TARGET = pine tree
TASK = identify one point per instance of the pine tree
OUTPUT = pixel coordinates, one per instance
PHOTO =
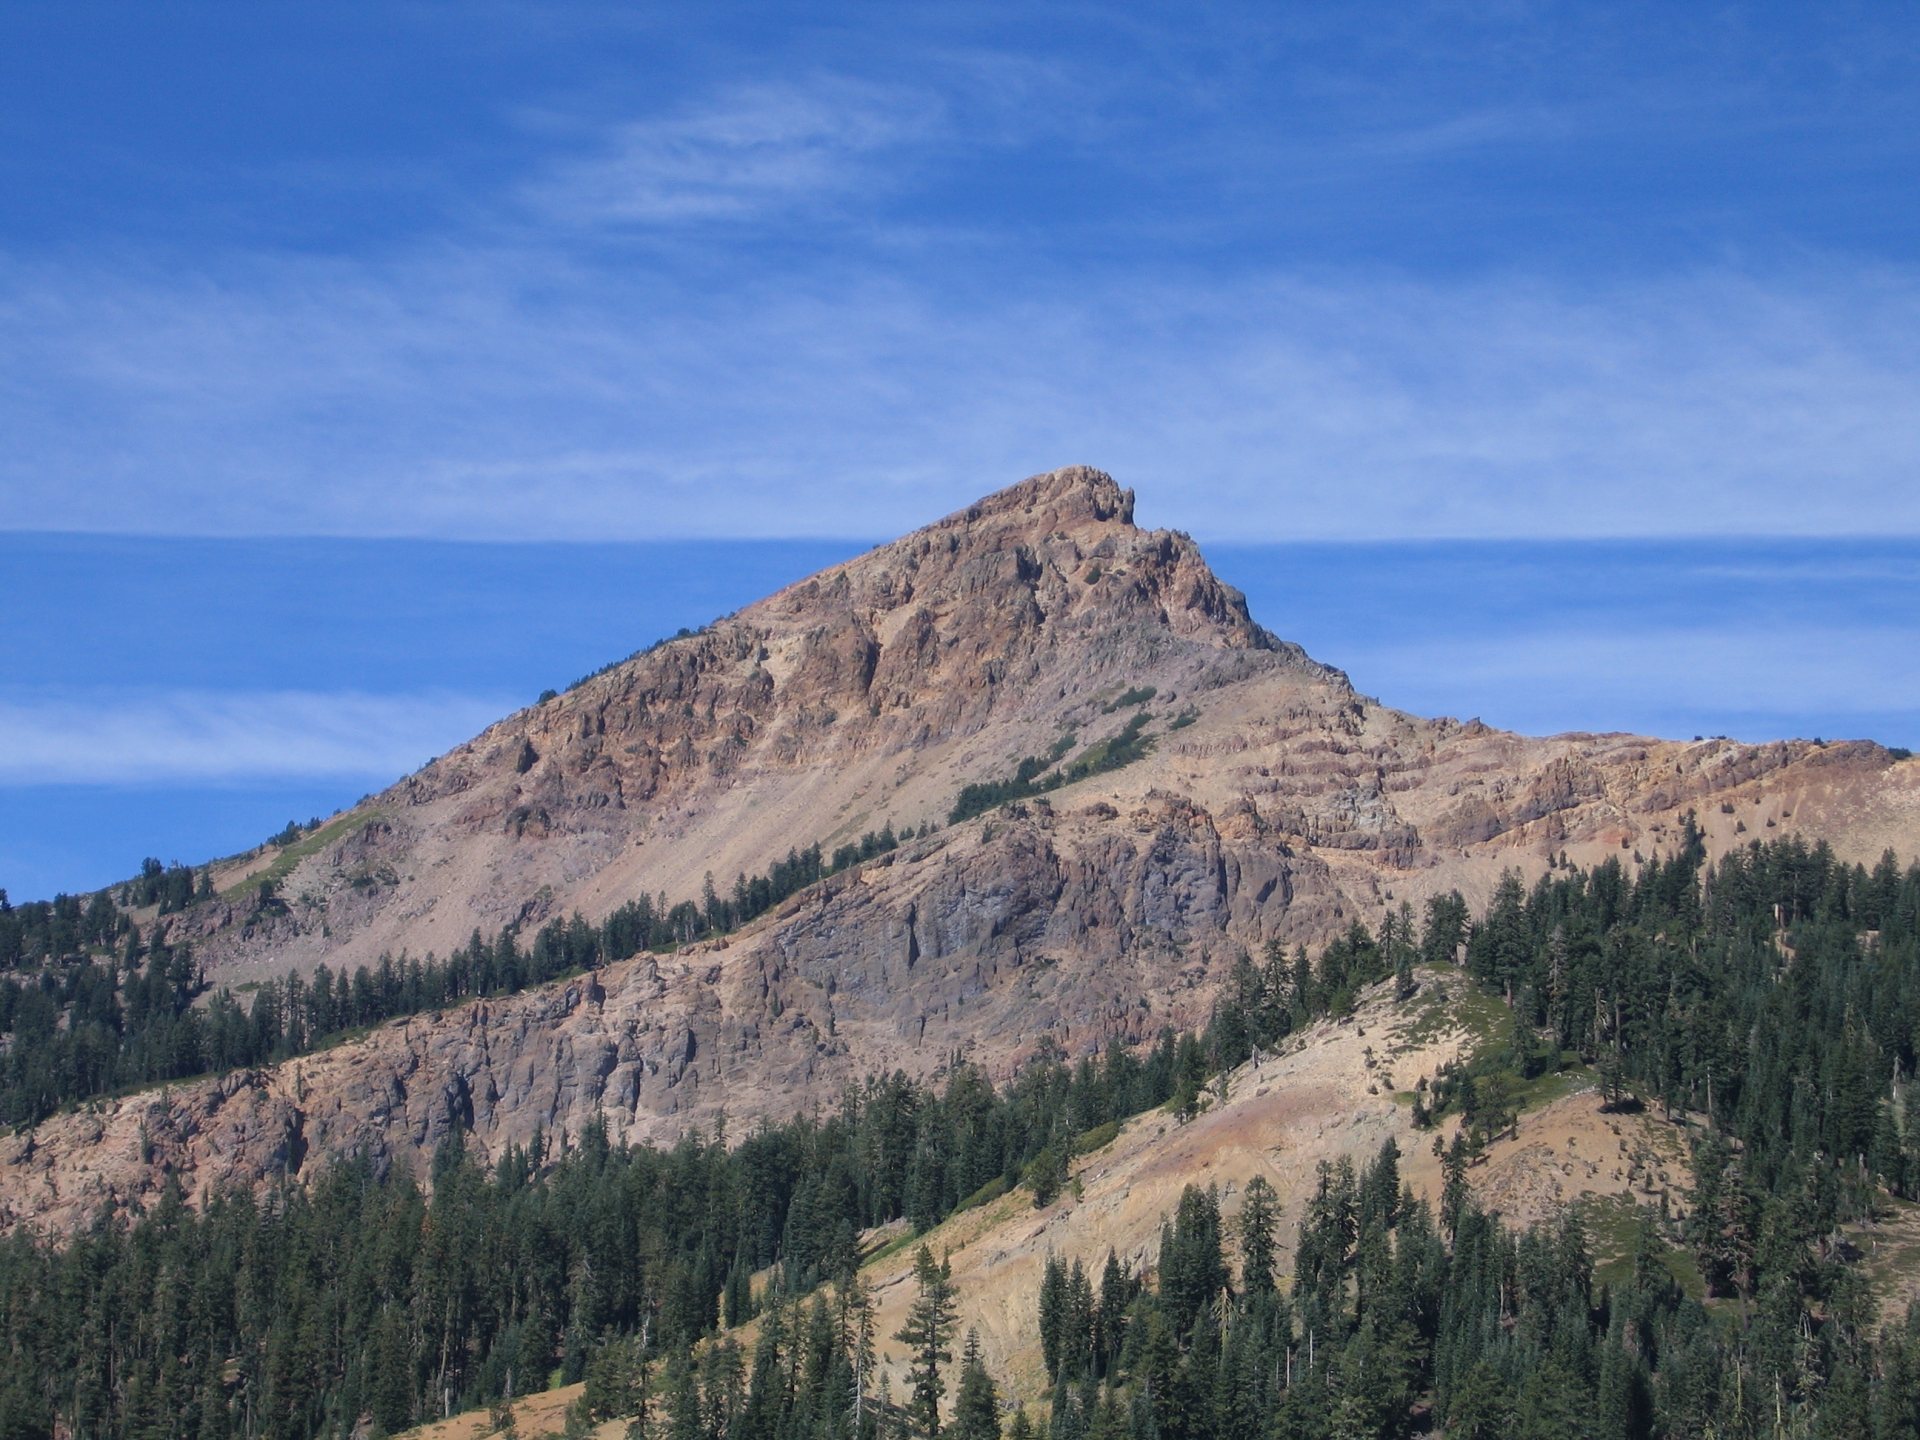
(1076, 1332)
(1050, 1174)
(722, 1377)
(1110, 1316)
(1553, 1404)
(928, 1336)
(1259, 1216)
(1192, 1269)
(1453, 1190)
(1482, 1407)
(680, 1398)
(856, 1341)
(1404, 984)
(1053, 1310)
(737, 1299)
(976, 1410)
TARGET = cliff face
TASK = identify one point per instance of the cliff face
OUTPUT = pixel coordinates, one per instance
(1275, 802)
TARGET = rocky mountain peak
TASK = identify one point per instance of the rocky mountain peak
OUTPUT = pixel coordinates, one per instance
(1059, 497)
(1057, 554)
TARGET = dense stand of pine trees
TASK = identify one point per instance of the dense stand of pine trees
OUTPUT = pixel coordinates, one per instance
(297, 1312)
(1400, 1323)
(1775, 994)
(1771, 1001)
(88, 1023)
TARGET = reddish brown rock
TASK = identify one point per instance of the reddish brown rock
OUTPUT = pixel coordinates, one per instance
(1284, 806)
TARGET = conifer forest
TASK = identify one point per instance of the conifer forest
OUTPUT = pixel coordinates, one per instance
(1769, 1004)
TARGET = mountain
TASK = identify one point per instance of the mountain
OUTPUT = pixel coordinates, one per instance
(1161, 785)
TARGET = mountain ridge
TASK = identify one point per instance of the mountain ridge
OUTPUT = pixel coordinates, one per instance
(935, 635)
(1268, 802)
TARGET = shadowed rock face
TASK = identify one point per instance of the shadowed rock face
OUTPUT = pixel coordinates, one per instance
(1281, 805)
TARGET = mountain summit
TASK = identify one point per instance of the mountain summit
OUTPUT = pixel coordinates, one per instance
(1028, 776)
(867, 695)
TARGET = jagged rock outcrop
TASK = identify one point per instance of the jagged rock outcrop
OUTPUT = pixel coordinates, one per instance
(1275, 803)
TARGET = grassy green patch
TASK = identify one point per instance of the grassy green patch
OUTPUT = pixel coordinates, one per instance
(1451, 1000)
(894, 1246)
(1555, 1085)
(1616, 1227)
(311, 844)
(985, 1195)
(344, 1037)
(1097, 1138)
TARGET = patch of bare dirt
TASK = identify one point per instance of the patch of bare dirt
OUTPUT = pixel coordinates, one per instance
(534, 1416)
(1322, 1097)
(1329, 1092)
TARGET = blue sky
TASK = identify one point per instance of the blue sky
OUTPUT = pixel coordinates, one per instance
(298, 301)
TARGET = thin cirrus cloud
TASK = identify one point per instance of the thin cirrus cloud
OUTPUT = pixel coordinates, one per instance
(408, 398)
(832, 305)
(751, 151)
(215, 737)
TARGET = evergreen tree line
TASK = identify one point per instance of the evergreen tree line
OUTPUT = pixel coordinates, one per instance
(1709, 991)
(70, 926)
(301, 1311)
(1400, 1322)
(94, 1028)
(813, 1373)
(92, 1025)
(1037, 775)
(1774, 995)
(65, 926)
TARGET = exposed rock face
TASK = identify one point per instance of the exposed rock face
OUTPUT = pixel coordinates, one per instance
(1276, 804)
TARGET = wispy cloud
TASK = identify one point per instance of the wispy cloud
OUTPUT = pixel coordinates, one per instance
(184, 737)
(428, 396)
(751, 151)
(848, 300)
(1463, 133)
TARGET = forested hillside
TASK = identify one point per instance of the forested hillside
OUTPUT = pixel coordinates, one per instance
(105, 1007)
(1769, 1002)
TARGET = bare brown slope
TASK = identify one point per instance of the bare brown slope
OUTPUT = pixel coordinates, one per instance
(1284, 807)
(1326, 1094)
